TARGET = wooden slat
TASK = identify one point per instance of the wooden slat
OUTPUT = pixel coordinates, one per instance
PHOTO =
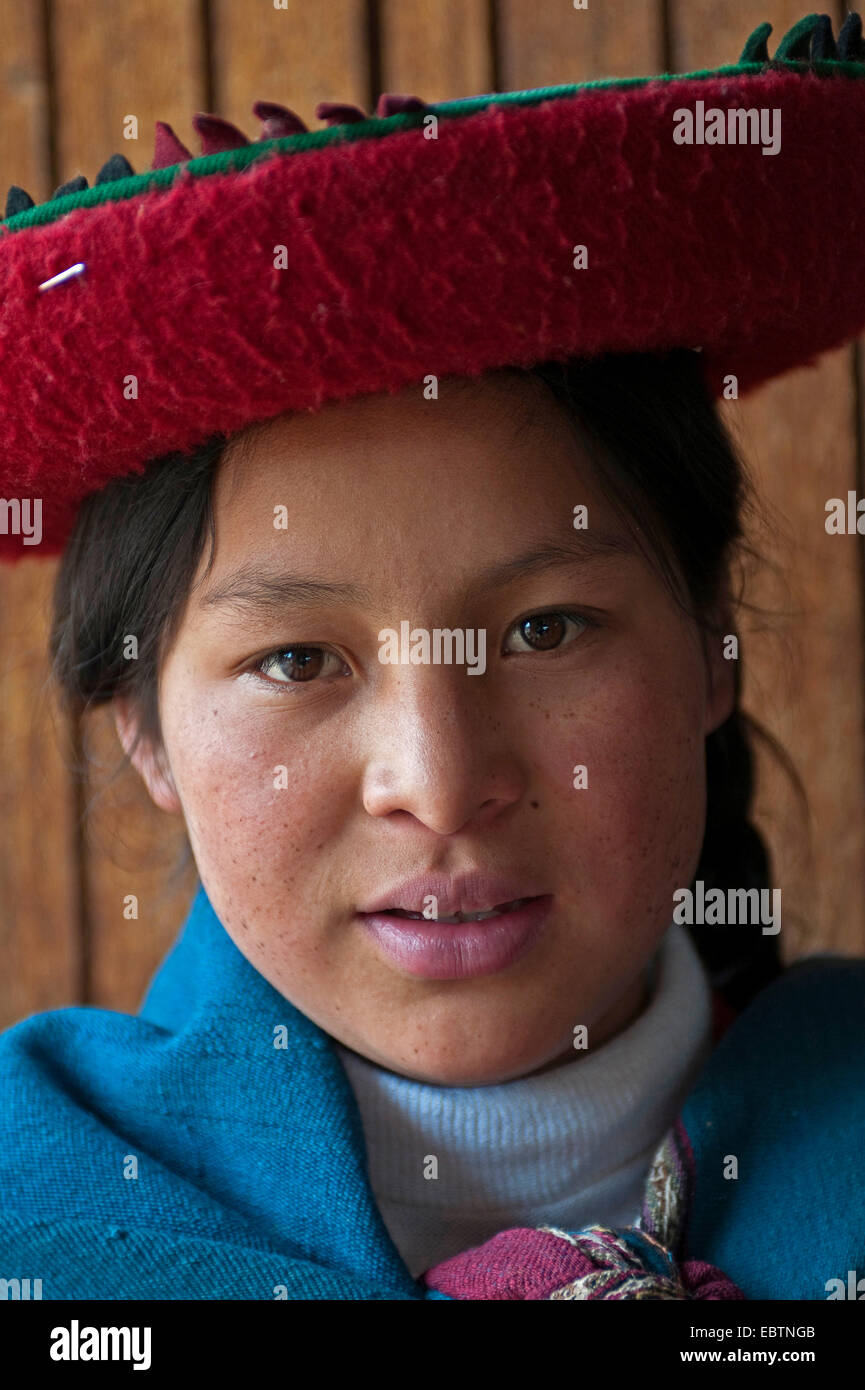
(547, 45)
(297, 56)
(437, 52)
(804, 672)
(144, 58)
(24, 130)
(39, 899)
(705, 34)
(39, 917)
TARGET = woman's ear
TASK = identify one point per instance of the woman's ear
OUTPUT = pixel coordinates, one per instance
(721, 646)
(150, 763)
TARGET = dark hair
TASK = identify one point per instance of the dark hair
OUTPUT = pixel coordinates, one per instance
(663, 457)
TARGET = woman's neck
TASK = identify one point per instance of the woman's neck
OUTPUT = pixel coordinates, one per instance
(627, 1009)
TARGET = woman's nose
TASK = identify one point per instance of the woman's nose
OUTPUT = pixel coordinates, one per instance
(441, 752)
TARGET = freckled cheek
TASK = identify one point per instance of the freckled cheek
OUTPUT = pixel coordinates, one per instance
(639, 817)
(656, 789)
(236, 778)
(630, 724)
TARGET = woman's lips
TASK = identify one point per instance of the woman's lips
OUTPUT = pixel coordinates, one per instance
(461, 950)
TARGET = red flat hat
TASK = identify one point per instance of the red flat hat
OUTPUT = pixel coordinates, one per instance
(721, 210)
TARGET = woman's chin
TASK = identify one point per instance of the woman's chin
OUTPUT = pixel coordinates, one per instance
(444, 1065)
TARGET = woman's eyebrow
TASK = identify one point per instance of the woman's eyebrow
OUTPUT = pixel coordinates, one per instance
(259, 590)
(581, 547)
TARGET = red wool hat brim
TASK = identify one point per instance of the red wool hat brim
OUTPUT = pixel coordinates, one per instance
(408, 257)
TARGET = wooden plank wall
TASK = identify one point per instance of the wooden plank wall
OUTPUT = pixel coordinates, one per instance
(71, 71)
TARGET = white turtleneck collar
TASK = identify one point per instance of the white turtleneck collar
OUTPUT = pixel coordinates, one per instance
(569, 1147)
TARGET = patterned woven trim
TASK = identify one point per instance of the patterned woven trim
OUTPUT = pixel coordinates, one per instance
(669, 1191)
(808, 47)
(630, 1265)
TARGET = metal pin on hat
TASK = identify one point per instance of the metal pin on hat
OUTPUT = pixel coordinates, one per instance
(64, 275)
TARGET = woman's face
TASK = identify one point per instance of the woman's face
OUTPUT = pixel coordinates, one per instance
(316, 778)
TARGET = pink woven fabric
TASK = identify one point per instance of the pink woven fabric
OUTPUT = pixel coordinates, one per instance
(597, 1263)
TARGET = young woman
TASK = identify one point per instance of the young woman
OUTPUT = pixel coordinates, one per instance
(480, 994)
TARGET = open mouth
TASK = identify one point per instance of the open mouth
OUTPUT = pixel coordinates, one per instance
(459, 945)
(499, 911)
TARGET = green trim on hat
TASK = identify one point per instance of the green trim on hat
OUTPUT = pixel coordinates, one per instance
(377, 127)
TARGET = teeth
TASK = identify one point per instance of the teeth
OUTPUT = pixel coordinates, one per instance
(460, 916)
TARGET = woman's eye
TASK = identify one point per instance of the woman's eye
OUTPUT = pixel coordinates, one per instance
(544, 632)
(296, 665)
(301, 665)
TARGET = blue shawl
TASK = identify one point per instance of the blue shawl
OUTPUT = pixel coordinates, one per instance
(211, 1146)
